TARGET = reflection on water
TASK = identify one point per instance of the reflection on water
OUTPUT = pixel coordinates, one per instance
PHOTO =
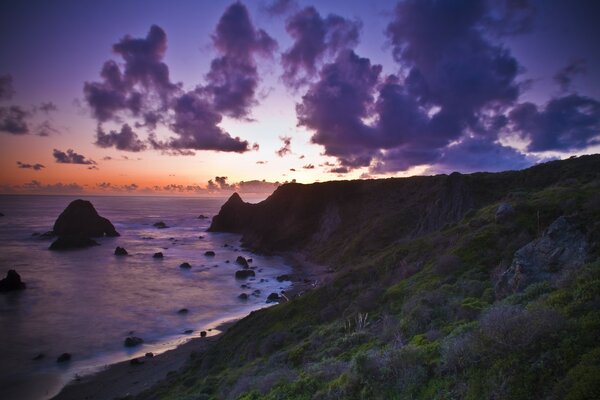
(85, 302)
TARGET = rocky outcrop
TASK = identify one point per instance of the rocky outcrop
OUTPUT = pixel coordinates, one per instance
(77, 224)
(336, 222)
(562, 247)
(504, 212)
(120, 251)
(81, 218)
(12, 282)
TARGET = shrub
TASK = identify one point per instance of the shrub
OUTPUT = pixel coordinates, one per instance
(511, 327)
(459, 352)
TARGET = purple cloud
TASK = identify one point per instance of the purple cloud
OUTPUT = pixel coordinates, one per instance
(315, 38)
(144, 74)
(566, 123)
(334, 108)
(286, 148)
(71, 157)
(196, 125)
(280, 7)
(13, 120)
(392, 123)
(35, 167)
(565, 76)
(126, 139)
(233, 77)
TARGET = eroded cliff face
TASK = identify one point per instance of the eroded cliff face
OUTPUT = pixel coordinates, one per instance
(336, 221)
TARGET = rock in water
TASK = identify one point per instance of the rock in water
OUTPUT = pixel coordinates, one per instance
(158, 255)
(77, 224)
(72, 242)
(80, 218)
(160, 225)
(132, 341)
(244, 273)
(120, 251)
(242, 261)
(11, 282)
(185, 265)
(64, 357)
(209, 253)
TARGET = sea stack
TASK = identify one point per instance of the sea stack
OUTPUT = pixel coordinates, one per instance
(11, 282)
(77, 224)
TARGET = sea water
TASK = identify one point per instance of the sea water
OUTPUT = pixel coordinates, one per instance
(86, 302)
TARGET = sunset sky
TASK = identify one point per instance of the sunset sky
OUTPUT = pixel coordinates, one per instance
(156, 97)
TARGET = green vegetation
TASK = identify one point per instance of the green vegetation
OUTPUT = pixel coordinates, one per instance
(417, 314)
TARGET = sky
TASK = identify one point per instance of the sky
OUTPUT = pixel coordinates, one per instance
(206, 97)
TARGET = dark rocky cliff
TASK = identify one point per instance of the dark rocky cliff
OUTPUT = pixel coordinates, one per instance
(336, 221)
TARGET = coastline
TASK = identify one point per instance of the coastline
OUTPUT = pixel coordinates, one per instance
(125, 379)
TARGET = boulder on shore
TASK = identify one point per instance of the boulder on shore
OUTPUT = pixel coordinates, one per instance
(11, 282)
(244, 273)
(120, 251)
(132, 341)
(242, 261)
(273, 297)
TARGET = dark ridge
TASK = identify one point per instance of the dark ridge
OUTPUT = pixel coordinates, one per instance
(369, 214)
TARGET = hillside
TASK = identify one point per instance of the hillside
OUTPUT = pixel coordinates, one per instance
(447, 287)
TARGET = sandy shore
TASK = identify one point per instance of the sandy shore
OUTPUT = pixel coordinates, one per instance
(123, 379)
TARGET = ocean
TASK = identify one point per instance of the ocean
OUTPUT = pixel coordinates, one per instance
(86, 302)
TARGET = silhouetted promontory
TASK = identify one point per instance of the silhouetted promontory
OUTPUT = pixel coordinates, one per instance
(77, 224)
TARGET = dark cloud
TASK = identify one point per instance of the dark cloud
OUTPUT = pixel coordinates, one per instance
(566, 123)
(142, 90)
(455, 87)
(308, 166)
(479, 154)
(286, 148)
(280, 7)
(233, 76)
(293, 169)
(142, 87)
(6, 87)
(261, 162)
(107, 186)
(126, 139)
(334, 108)
(315, 38)
(47, 107)
(339, 170)
(71, 157)
(196, 125)
(565, 76)
(35, 167)
(13, 120)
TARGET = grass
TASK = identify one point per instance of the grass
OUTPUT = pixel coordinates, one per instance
(413, 313)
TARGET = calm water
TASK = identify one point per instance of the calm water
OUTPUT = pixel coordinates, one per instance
(85, 302)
